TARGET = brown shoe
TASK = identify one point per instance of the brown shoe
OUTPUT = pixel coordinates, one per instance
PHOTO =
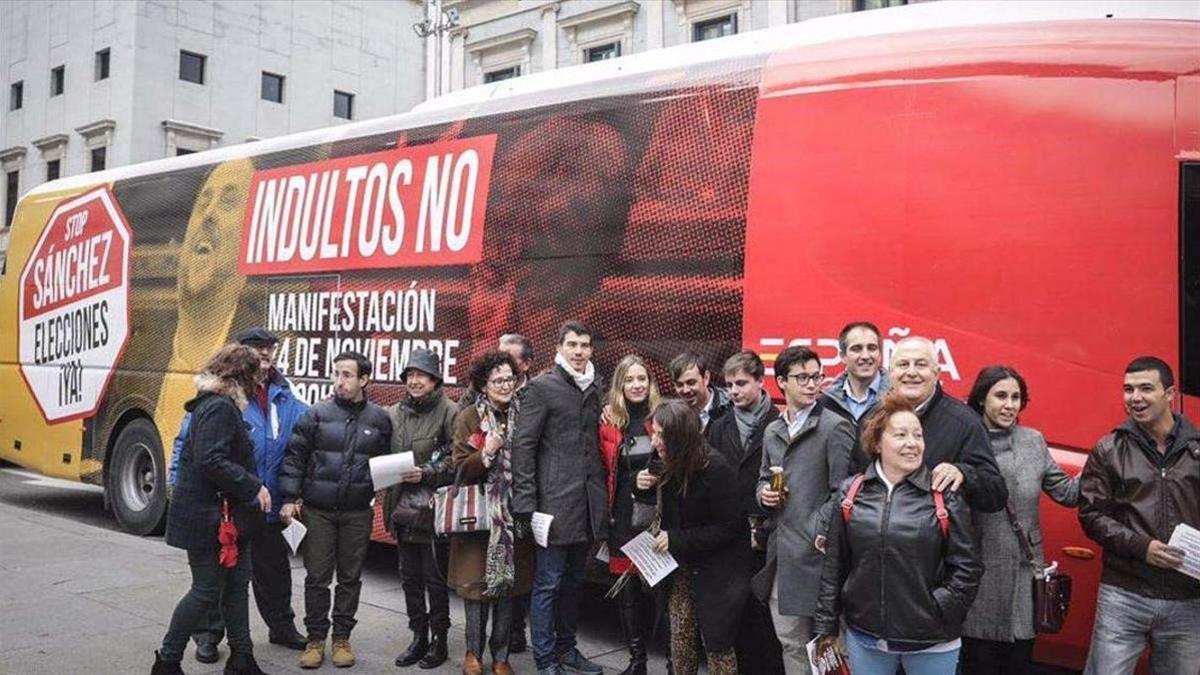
(501, 668)
(343, 656)
(314, 655)
(472, 665)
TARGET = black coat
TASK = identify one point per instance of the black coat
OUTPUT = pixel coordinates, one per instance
(890, 571)
(556, 462)
(217, 460)
(954, 433)
(706, 530)
(328, 458)
(724, 437)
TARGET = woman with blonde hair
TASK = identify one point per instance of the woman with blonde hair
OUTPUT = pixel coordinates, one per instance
(216, 469)
(625, 447)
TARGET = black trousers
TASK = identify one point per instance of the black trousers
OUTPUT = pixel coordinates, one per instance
(271, 580)
(757, 648)
(988, 657)
(423, 571)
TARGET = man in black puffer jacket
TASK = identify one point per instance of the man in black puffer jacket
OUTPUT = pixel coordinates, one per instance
(326, 481)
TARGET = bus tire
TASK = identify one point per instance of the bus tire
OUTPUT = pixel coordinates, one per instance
(136, 479)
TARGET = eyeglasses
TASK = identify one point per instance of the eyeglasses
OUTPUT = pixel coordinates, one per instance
(805, 378)
(502, 382)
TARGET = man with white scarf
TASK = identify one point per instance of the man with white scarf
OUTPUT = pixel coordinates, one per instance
(557, 471)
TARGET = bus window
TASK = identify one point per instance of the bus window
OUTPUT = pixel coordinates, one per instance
(1189, 278)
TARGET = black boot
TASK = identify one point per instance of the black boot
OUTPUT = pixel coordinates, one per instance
(242, 664)
(632, 624)
(163, 668)
(416, 649)
(436, 655)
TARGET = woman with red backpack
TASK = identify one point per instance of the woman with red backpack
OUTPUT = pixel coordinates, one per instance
(901, 566)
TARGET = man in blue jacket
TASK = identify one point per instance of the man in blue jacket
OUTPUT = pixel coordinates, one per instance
(270, 417)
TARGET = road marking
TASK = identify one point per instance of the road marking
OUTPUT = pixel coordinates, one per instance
(38, 480)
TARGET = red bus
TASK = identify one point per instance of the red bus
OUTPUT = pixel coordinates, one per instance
(1019, 182)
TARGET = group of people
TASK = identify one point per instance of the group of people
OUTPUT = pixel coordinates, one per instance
(875, 512)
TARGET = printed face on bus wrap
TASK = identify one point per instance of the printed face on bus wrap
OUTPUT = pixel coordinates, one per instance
(347, 385)
(692, 387)
(514, 350)
(744, 389)
(636, 386)
(862, 356)
(1146, 399)
(577, 350)
(801, 384)
(211, 245)
(902, 446)
(1002, 404)
(914, 370)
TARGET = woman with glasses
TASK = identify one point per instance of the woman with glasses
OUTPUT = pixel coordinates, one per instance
(998, 635)
(625, 446)
(702, 525)
(488, 568)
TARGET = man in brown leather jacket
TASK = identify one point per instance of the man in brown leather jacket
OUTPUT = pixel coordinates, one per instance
(1140, 482)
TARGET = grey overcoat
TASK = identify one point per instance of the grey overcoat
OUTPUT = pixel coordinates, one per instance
(1003, 609)
(815, 462)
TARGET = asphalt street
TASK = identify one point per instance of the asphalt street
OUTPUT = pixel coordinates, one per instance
(77, 595)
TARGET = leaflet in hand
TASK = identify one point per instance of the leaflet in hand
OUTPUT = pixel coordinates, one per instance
(830, 663)
(1187, 538)
(294, 533)
(386, 470)
(651, 564)
(540, 524)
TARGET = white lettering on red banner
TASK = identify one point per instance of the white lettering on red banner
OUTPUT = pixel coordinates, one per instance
(413, 206)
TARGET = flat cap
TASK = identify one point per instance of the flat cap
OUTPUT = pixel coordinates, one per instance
(255, 336)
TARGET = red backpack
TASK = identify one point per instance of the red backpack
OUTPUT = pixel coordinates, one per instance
(943, 516)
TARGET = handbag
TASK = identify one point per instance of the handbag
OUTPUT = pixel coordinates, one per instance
(413, 508)
(1051, 588)
(227, 536)
(460, 508)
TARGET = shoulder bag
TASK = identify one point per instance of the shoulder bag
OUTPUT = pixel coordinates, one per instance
(1051, 588)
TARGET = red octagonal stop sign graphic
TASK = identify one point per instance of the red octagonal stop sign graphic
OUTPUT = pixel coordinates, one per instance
(74, 306)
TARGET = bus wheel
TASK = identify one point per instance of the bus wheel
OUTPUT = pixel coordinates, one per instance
(136, 480)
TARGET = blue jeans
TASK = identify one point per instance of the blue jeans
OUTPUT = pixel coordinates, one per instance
(554, 602)
(1126, 622)
(867, 659)
(213, 586)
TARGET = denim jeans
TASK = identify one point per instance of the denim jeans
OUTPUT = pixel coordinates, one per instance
(477, 634)
(1126, 622)
(212, 586)
(554, 602)
(867, 659)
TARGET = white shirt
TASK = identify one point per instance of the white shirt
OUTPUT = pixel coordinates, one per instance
(797, 419)
(704, 414)
(883, 477)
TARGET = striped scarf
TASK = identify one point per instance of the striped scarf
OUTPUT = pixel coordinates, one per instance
(499, 575)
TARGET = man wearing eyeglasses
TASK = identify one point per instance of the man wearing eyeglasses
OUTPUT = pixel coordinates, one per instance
(738, 435)
(811, 446)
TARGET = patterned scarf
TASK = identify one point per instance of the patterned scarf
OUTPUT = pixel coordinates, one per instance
(499, 575)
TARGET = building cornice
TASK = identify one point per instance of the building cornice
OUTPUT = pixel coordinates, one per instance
(51, 142)
(192, 129)
(520, 38)
(619, 10)
(13, 154)
(97, 128)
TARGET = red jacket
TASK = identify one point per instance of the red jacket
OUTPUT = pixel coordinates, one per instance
(610, 447)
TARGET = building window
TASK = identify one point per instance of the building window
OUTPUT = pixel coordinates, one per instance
(343, 105)
(502, 74)
(16, 95)
(53, 169)
(862, 5)
(602, 52)
(272, 87)
(721, 26)
(99, 158)
(180, 152)
(191, 66)
(58, 80)
(13, 182)
(102, 58)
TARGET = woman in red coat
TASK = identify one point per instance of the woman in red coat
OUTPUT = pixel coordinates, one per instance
(625, 446)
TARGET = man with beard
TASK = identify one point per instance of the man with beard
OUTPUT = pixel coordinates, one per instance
(738, 435)
(423, 424)
(854, 392)
(557, 470)
(326, 482)
(957, 450)
(693, 384)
